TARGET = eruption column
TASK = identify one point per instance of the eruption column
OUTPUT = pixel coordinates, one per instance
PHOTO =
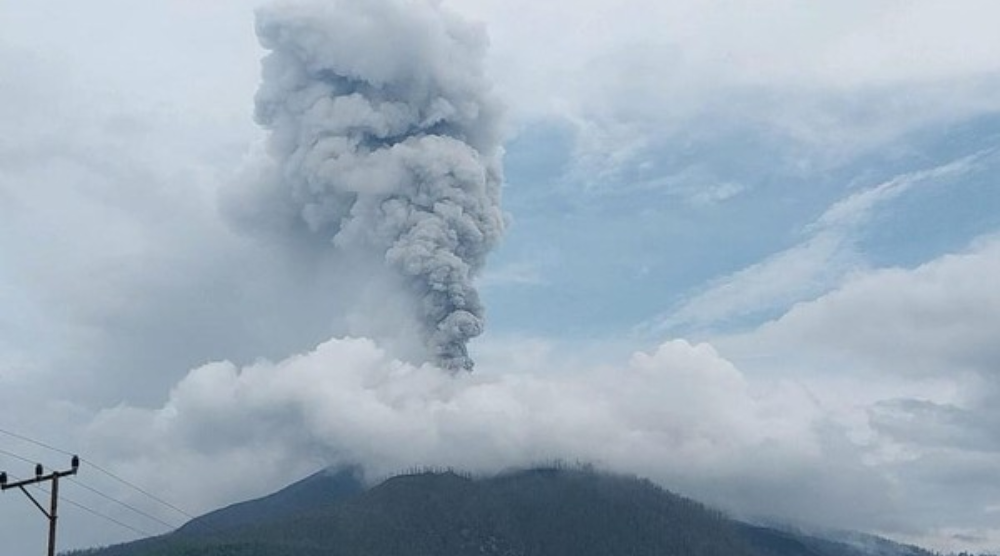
(383, 135)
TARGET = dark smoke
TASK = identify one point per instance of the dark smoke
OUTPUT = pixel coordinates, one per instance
(383, 135)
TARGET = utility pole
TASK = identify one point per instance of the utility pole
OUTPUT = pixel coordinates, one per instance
(41, 477)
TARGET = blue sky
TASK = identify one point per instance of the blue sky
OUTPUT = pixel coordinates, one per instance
(588, 263)
(752, 253)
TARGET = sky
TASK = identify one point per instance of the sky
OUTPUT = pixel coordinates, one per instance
(750, 252)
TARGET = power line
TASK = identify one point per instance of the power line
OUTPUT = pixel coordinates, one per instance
(137, 488)
(97, 492)
(124, 504)
(51, 514)
(15, 456)
(101, 469)
(94, 512)
(98, 468)
(35, 442)
(108, 518)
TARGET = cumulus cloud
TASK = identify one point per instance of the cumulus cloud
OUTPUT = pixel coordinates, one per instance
(936, 319)
(680, 414)
(907, 359)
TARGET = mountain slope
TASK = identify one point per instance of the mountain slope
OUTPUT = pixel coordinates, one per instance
(541, 512)
(319, 489)
(549, 513)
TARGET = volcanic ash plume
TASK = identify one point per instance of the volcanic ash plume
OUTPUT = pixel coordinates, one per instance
(384, 136)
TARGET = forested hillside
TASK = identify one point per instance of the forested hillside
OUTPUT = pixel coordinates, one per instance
(541, 512)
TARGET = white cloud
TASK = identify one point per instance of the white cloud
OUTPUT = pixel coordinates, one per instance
(938, 319)
(836, 80)
(906, 359)
(716, 193)
(819, 263)
(857, 209)
(680, 414)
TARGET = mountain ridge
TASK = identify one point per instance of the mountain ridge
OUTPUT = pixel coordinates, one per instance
(533, 512)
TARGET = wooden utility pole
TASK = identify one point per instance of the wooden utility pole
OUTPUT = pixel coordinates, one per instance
(41, 477)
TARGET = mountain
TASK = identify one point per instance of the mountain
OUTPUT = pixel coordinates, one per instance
(319, 489)
(539, 512)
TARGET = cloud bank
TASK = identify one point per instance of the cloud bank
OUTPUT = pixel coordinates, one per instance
(906, 358)
(680, 414)
(889, 459)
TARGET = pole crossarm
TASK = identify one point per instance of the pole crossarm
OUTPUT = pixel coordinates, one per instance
(39, 479)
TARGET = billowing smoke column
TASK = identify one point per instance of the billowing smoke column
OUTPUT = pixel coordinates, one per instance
(384, 136)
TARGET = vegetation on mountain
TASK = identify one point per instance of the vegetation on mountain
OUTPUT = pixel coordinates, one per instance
(539, 512)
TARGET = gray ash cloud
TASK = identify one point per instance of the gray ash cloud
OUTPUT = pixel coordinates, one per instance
(384, 137)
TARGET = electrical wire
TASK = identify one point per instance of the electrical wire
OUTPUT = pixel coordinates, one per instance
(98, 468)
(136, 530)
(125, 482)
(123, 504)
(15, 456)
(91, 511)
(138, 489)
(35, 442)
(106, 517)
